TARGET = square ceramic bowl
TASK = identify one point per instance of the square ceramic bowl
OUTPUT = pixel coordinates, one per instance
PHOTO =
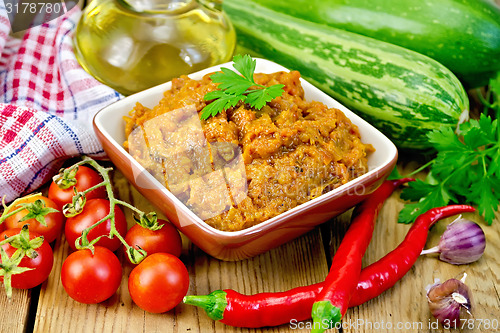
(237, 245)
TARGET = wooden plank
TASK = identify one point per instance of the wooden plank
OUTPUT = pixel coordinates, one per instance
(15, 311)
(294, 264)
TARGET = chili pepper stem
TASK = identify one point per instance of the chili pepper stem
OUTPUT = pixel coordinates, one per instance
(324, 315)
(213, 303)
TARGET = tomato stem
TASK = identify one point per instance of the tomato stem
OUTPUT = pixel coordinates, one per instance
(7, 240)
(10, 266)
(129, 206)
(66, 178)
(82, 242)
(6, 212)
(90, 189)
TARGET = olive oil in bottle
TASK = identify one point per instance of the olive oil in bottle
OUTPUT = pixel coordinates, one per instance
(132, 45)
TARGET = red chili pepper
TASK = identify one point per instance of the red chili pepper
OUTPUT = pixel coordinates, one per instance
(273, 309)
(383, 274)
(332, 302)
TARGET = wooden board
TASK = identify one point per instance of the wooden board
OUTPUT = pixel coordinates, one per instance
(303, 261)
(15, 311)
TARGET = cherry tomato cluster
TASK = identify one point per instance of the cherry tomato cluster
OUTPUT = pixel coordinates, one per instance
(92, 273)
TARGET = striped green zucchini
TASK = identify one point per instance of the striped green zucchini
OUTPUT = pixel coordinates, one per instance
(463, 35)
(401, 92)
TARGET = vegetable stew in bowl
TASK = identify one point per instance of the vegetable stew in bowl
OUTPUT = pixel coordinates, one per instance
(244, 166)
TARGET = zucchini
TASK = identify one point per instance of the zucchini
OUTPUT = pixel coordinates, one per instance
(463, 35)
(403, 93)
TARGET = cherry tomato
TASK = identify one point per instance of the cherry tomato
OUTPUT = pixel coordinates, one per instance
(93, 212)
(42, 264)
(85, 179)
(158, 283)
(54, 221)
(166, 240)
(91, 278)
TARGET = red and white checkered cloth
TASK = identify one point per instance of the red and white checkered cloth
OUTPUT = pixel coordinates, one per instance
(47, 102)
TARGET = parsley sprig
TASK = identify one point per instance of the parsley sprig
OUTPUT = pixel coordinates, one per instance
(235, 88)
(466, 167)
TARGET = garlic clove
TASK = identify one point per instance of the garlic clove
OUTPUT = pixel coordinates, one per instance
(449, 302)
(463, 242)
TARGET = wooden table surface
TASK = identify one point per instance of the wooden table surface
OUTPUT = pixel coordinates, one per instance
(303, 261)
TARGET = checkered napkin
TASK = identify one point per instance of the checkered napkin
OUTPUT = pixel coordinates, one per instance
(47, 102)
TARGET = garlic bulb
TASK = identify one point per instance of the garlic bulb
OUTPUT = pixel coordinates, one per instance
(450, 301)
(462, 242)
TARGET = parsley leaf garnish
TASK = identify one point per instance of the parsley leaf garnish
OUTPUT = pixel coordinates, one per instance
(223, 101)
(234, 88)
(465, 169)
